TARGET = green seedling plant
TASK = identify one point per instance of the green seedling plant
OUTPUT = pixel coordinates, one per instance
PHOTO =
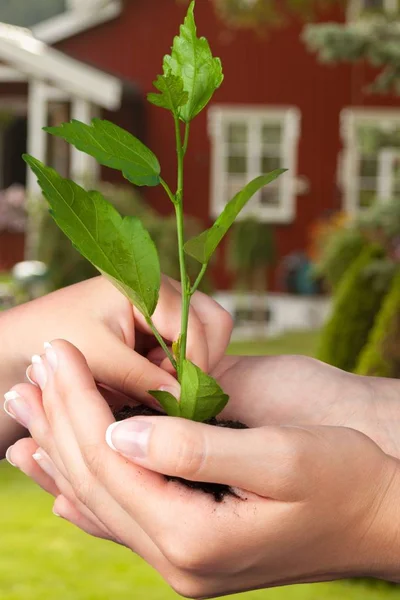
(120, 247)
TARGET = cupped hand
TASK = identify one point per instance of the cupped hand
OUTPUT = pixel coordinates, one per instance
(118, 344)
(314, 503)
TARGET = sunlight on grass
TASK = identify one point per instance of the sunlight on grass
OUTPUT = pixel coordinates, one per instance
(45, 558)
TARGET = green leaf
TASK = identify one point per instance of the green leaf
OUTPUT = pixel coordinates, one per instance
(168, 402)
(191, 60)
(172, 95)
(204, 245)
(201, 396)
(112, 147)
(119, 247)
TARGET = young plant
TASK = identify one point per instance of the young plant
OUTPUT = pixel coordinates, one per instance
(120, 248)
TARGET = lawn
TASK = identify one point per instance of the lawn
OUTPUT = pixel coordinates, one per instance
(44, 558)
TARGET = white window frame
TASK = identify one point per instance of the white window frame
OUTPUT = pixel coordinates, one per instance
(289, 117)
(356, 9)
(349, 178)
(79, 16)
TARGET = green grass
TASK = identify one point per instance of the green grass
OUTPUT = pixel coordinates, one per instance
(45, 558)
(295, 342)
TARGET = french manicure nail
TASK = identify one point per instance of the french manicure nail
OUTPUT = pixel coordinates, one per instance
(39, 371)
(51, 356)
(28, 374)
(17, 408)
(8, 459)
(55, 513)
(45, 463)
(130, 438)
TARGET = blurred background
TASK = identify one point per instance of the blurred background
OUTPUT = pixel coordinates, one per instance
(312, 267)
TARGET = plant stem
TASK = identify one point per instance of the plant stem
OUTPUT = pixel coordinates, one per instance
(168, 190)
(181, 240)
(162, 343)
(186, 141)
(199, 278)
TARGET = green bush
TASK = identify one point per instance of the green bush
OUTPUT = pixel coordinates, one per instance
(342, 248)
(356, 304)
(381, 355)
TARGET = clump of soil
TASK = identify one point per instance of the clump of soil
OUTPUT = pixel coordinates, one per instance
(218, 490)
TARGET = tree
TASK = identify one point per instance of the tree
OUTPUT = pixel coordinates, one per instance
(375, 38)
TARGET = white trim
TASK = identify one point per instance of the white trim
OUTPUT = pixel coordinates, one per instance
(83, 168)
(289, 117)
(9, 75)
(349, 180)
(25, 54)
(73, 22)
(36, 143)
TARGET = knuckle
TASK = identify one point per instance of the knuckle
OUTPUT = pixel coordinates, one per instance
(82, 486)
(134, 378)
(186, 455)
(93, 458)
(187, 587)
(187, 557)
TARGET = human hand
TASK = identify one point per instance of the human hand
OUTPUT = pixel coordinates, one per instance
(315, 503)
(115, 338)
(302, 391)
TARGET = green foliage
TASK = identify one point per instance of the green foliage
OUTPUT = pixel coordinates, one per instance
(204, 398)
(339, 252)
(376, 40)
(120, 248)
(381, 355)
(203, 246)
(172, 95)
(192, 62)
(112, 147)
(356, 305)
(251, 246)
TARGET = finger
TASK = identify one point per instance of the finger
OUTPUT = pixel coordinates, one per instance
(167, 319)
(217, 323)
(132, 374)
(21, 455)
(65, 509)
(264, 461)
(80, 437)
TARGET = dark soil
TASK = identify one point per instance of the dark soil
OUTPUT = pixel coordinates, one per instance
(219, 491)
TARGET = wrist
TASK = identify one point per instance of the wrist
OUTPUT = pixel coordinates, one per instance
(382, 535)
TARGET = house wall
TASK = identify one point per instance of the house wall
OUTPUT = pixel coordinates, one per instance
(275, 69)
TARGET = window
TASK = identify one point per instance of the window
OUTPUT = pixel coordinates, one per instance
(27, 14)
(250, 141)
(368, 8)
(371, 157)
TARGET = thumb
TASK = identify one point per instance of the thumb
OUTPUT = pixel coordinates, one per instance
(268, 461)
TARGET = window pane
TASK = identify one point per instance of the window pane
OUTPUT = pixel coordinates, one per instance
(27, 13)
(368, 166)
(237, 164)
(367, 198)
(237, 133)
(270, 195)
(270, 163)
(271, 133)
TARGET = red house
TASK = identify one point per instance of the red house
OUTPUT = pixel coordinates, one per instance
(277, 107)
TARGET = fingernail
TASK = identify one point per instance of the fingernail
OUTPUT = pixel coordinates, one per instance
(39, 371)
(55, 513)
(28, 374)
(45, 463)
(51, 356)
(174, 391)
(17, 408)
(8, 459)
(131, 438)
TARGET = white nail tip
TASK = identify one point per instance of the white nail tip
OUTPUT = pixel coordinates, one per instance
(36, 359)
(12, 395)
(47, 346)
(37, 456)
(29, 378)
(8, 459)
(109, 434)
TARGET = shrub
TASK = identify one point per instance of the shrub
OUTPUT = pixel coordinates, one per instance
(357, 302)
(381, 355)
